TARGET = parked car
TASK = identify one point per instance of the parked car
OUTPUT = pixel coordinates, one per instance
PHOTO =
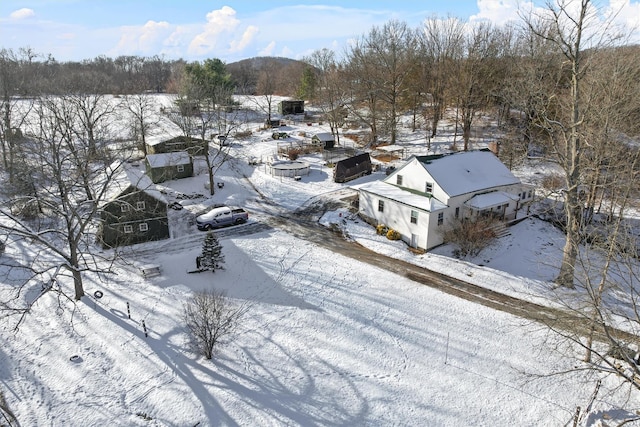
(221, 217)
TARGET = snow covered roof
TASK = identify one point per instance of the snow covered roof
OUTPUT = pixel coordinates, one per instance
(467, 172)
(490, 200)
(168, 159)
(163, 132)
(123, 177)
(324, 136)
(393, 192)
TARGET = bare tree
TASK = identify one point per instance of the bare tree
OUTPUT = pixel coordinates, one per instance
(477, 74)
(211, 318)
(206, 109)
(391, 49)
(441, 41)
(14, 71)
(266, 87)
(144, 116)
(93, 112)
(69, 185)
(613, 81)
(569, 27)
(331, 95)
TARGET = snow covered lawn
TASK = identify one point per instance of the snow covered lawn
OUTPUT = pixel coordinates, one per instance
(326, 340)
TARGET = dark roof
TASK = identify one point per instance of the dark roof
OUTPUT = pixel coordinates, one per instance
(354, 161)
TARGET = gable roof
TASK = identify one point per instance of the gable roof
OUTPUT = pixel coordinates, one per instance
(168, 159)
(125, 177)
(468, 171)
(323, 136)
(393, 192)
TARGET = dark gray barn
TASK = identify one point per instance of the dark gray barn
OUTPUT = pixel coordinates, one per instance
(352, 168)
(291, 107)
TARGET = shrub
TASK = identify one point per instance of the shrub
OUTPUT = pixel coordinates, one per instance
(469, 236)
(243, 134)
(382, 229)
(293, 153)
(393, 235)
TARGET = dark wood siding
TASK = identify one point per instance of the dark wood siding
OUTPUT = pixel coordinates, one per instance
(115, 221)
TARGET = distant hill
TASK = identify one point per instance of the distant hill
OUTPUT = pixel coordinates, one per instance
(284, 73)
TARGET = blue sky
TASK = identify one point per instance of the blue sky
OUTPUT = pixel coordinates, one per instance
(232, 30)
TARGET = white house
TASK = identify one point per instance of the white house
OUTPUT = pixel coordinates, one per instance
(428, 193)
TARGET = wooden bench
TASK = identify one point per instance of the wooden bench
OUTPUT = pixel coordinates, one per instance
(150, 270)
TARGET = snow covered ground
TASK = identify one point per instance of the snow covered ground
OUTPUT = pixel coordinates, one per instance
(326, 340)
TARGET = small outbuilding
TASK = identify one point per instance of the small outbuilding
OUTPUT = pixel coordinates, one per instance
(167, 166)
(287, 107)
(324, 140)
(352, 168)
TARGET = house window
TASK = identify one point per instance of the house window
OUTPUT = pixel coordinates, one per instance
(440, 218)
(180, 168)
(414, 217)
(143, 226)
(530, 194)
(523, 195)
(428, 188)
(457, 212)
(128, 229)
(140, 205)
(124, 207)
(399, 180)
(380, 205)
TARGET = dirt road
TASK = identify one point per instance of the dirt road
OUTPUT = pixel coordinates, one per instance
(304, 225)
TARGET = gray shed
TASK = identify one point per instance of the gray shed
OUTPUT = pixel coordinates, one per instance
(287, 107)
(324, 139)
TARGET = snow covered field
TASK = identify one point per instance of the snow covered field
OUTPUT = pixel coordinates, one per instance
(326, 341)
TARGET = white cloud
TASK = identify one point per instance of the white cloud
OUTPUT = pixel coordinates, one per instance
(627, 13)
(268, 49)
(499, 11)
(247, 37)
(143, 40)
(218, 22)
(23, 13)
(286, 52)
(152, 33)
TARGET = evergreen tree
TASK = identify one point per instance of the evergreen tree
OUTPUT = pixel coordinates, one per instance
(212, 257)
(308, 82)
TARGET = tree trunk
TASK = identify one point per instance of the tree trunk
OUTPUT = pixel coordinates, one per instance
(77, 285)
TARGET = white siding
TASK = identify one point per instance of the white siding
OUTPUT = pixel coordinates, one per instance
(397, 216)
